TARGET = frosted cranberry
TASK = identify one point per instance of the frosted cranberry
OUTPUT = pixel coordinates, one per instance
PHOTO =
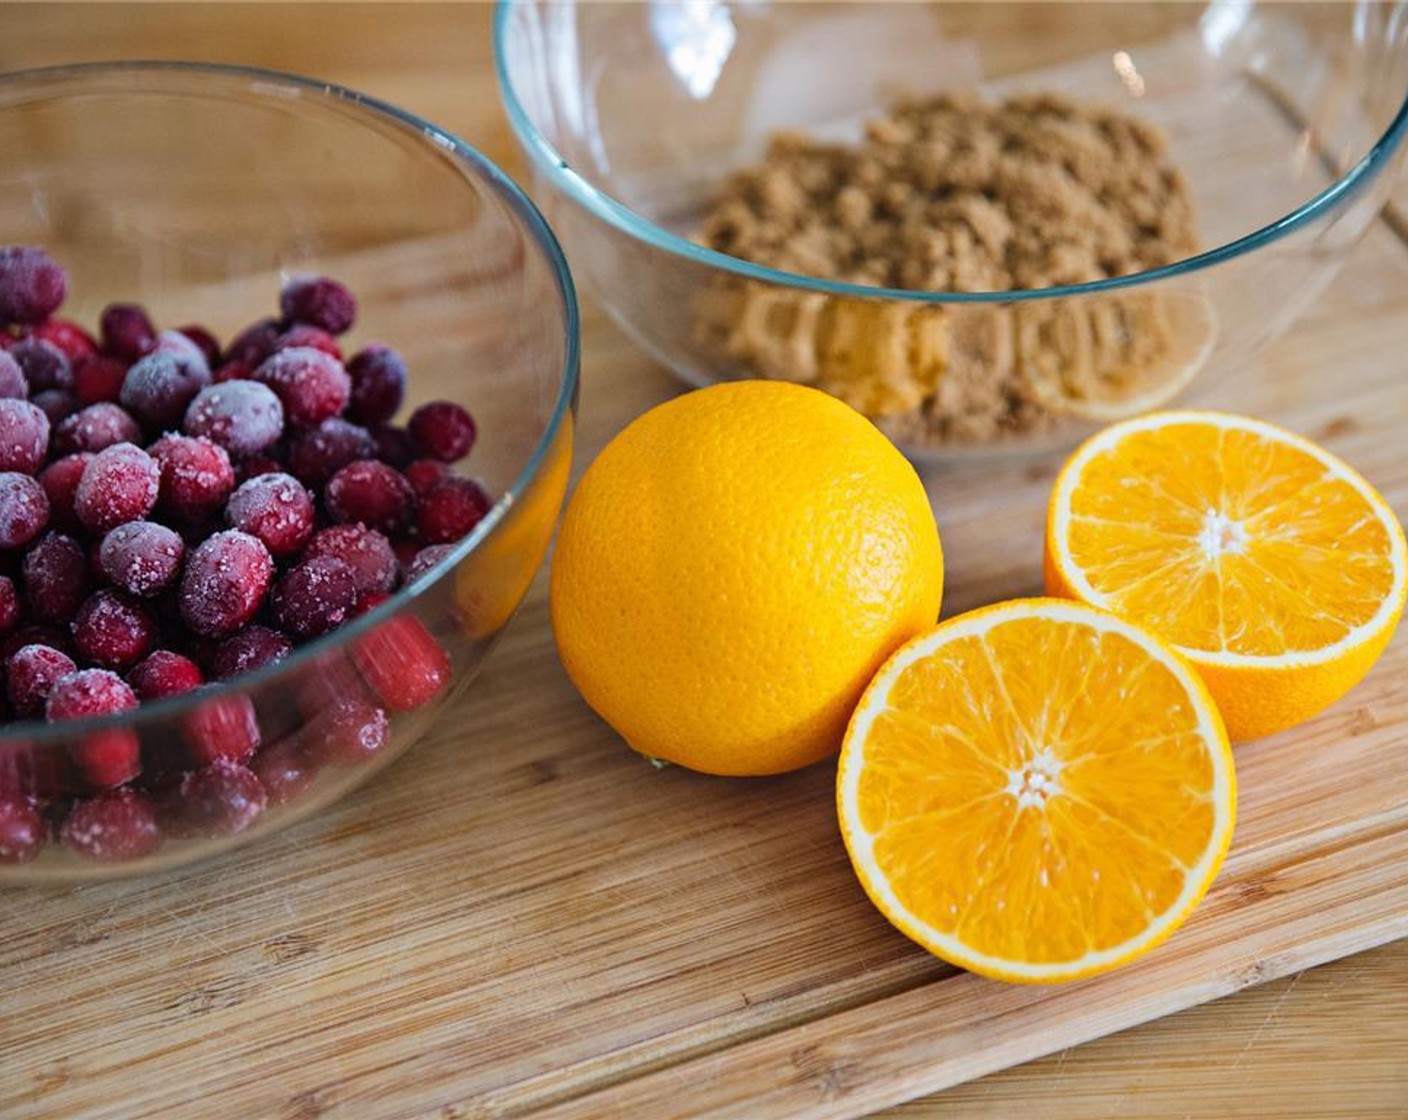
(76, 343)
(177, 345)
(127, 331)
(348, 732)
(32, 285)
(423, 474)
(314, 597)
(119, 484)
(99, 379)
(22, 831)
(243, 417)
(206, 342)
(9, 605)
(221, 799)
(196, 476)
(12, 383)
(24, 509)
(56, 579)
(60, 481)
(232, 371)
(319, 301)
(24, 436)
(394, 446)
(30, 675)
(56, 404)
(316, 454)
(94, 428)
(442, 430)
(43, 364)
(141, 557)
(252, 648)
(223, 727)
(451, 509)
(113, 630)
(113, 827)
(225, 582)
(284, 771)
(402, 662)
(368, 553)
(426, 559)
(35, 633)
(275, 508)
(378, 376)
(372, 493)
(159, 388)
(311, 385)
(301, 334)
(104, 758)
(163, 673)
(253, 344)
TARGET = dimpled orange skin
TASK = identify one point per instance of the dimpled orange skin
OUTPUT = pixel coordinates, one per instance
(733, 568)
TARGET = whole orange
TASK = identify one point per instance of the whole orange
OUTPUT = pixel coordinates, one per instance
(732, 570)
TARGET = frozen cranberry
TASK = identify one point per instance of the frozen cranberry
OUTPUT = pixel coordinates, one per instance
(348, 732)
(113, 827)
(44, 365)
(372, 493)
(232, 371)
(333, 676)
(394, 446)
(253, 344)
(378, 376)
(160, 386)
(316, 454)
(225, 582)
(314, 597)
(402, 662)
(301, 334)
(56, 579)
(275, 508)
(30, 675)
(104, 758)
(141, 557)
(56, 404)
(319, 301)
(99, 379)
(32, 285)
(451, 509)
(243, 417)
(426, 559)
(177, 345)
(35, 633)
(368, 553)
(9, 605)
(311, 385)
(250, 649)
(119, 484)
(222, 727)
(196, 476)
(22, 831)
(206, 342)
(219, 800)
(162, 673)
(284, 771)
(76, 343)
(24, 436)
(94, 428)
(60, 481)
(113, 630)
(423, 474)
(12, 383)
(127, 331)
(442, 430)
(24, 509)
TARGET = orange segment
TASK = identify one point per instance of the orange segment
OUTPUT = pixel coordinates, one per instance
(1036, 791)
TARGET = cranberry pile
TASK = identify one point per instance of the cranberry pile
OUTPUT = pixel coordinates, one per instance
(174, 512)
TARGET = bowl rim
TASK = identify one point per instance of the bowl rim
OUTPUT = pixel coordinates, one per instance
(610, 210)
(481, 170)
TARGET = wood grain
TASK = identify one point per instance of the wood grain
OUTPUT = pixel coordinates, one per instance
(522, 918)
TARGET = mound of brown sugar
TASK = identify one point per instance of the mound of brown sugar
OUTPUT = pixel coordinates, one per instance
(951, 193)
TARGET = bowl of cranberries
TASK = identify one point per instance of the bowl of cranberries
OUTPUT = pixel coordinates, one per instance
(287, 384)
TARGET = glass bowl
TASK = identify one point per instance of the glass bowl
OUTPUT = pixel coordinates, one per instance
(194, 190)
(1286, 120)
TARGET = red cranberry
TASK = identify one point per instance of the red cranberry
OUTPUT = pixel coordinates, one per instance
(44, 365)
(56, 579)
(24, 509)
(284, 771)
(253, 344)
(316, 454)
(163, 673)
(98, 379)
(225, 582)
(233, 370)
(60, 481)
(32, 285)
(127, 331)
(206, 342)
(196, 476)
(76, 343)
(442, 430)
(348, 732)
(223, 727)
(184, 350)
(13, 386)
(94, 428)
(30, 675)
(35, 633)
(219, 800)
(372, 493)
(9, 605)
(394, 446)
(314, 597)
(276, 509)
(378, 376)
(311, 385)
(332, 677)
(113, 827)
(105, 758)
(120, 483)
(113, 630)
(24, 436)
(368, 553)
(141, 557)
(402, 662)
(243, 417)
(301, 334)
(22, 831)
(426, 559)
(160, 386)
(423, 474)
(451, 509)
(56, 404)
(250, 649)
(319, 301)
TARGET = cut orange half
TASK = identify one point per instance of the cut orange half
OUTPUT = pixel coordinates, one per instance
(1036, 791)
(1269, 563)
